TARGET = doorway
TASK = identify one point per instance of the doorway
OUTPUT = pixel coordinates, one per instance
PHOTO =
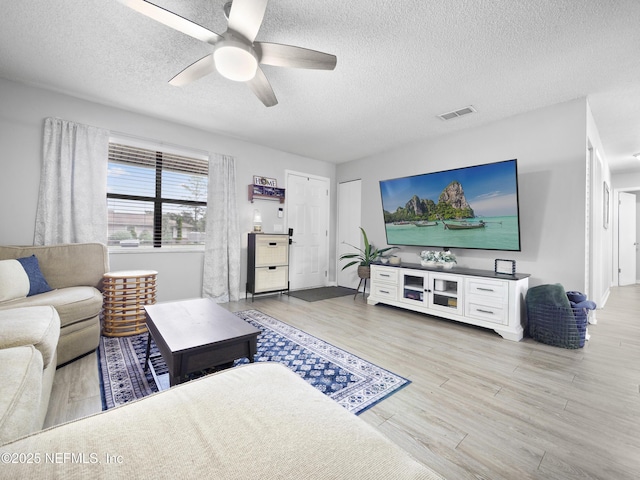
(307, 206)
(627, 243)
(349, 219)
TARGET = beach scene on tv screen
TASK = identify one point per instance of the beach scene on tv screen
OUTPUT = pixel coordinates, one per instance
(472, 207)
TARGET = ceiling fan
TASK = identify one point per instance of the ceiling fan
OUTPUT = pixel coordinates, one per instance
(236, 55)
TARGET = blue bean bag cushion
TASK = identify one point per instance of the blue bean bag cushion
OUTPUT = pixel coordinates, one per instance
(581, 307)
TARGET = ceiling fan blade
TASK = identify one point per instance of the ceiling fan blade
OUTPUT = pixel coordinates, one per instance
(172, 20)
(195, 71)
(262, 89)
(246, 17)
(280, 55)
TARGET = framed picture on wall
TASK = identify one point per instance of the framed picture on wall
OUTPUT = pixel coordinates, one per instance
(605, 205)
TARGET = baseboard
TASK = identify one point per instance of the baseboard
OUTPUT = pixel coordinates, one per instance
(605, 297)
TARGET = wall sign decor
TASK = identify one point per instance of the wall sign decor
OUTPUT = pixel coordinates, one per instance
(265, 192)
(268, 182)
(505, 267)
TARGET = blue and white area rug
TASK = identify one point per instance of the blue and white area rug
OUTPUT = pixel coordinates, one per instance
(351, 381)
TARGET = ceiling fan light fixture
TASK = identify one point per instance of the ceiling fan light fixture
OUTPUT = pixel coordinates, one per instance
(235, 60)
(235, 56)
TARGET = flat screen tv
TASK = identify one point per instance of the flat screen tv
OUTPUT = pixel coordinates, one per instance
(473, 207)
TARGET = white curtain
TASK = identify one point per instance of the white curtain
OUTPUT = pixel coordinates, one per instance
(72, 202)
(221, 275)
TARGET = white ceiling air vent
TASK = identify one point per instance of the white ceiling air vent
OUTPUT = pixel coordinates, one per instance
(457, 113)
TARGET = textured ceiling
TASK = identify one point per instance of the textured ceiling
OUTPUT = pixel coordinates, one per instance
(400, 63)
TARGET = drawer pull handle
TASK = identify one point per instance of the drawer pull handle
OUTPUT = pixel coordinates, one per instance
(272, 244)
(486, 289)
(385, 291)
(272, 268)
(486, 311)
(385, 275)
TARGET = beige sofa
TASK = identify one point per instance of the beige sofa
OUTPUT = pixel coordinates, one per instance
(259, 421)
(74, 272)
(27, 366)
(39, 331)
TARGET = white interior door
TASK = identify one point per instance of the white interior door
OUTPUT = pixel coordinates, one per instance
(349, 215)
(308, 201)
(627, 239)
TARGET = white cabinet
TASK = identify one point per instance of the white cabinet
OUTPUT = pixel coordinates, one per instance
(433, 290)
(477, 297)
(445, 293)
(385, 283)
(413, 287)
(487, 300)
(267, 263)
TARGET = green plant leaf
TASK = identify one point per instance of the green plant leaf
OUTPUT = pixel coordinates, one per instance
(350, 264)
(365, 256)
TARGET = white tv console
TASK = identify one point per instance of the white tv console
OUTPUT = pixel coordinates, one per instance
(477, 297)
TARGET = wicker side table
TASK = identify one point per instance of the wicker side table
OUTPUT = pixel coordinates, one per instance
(125, 295)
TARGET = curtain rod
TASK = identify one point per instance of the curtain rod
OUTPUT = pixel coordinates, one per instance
(184, 149)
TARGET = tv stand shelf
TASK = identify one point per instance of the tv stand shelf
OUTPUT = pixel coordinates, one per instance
(477, 297)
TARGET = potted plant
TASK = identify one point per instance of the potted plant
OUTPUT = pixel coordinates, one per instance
(428, 258)
(432, 258)
(364, 257)
(447, 259)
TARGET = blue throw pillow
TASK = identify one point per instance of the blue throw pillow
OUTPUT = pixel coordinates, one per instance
(37, 282)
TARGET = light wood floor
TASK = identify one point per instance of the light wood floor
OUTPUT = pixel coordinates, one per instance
(478, 407)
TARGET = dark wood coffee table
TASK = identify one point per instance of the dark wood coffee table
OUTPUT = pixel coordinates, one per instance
(193, 335)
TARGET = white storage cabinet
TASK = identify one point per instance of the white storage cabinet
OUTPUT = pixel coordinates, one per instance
(477, 297)
(267, 263)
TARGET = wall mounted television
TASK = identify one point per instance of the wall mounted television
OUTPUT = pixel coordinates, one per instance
(473, 207)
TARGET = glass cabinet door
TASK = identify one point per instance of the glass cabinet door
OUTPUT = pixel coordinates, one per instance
(433, 290)
(413, 288)
(445, 293)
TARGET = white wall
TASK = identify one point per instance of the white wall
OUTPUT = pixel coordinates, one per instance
(22, 113)
(550, 145)
(600, 239)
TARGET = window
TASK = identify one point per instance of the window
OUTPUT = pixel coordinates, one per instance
(155, 198)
